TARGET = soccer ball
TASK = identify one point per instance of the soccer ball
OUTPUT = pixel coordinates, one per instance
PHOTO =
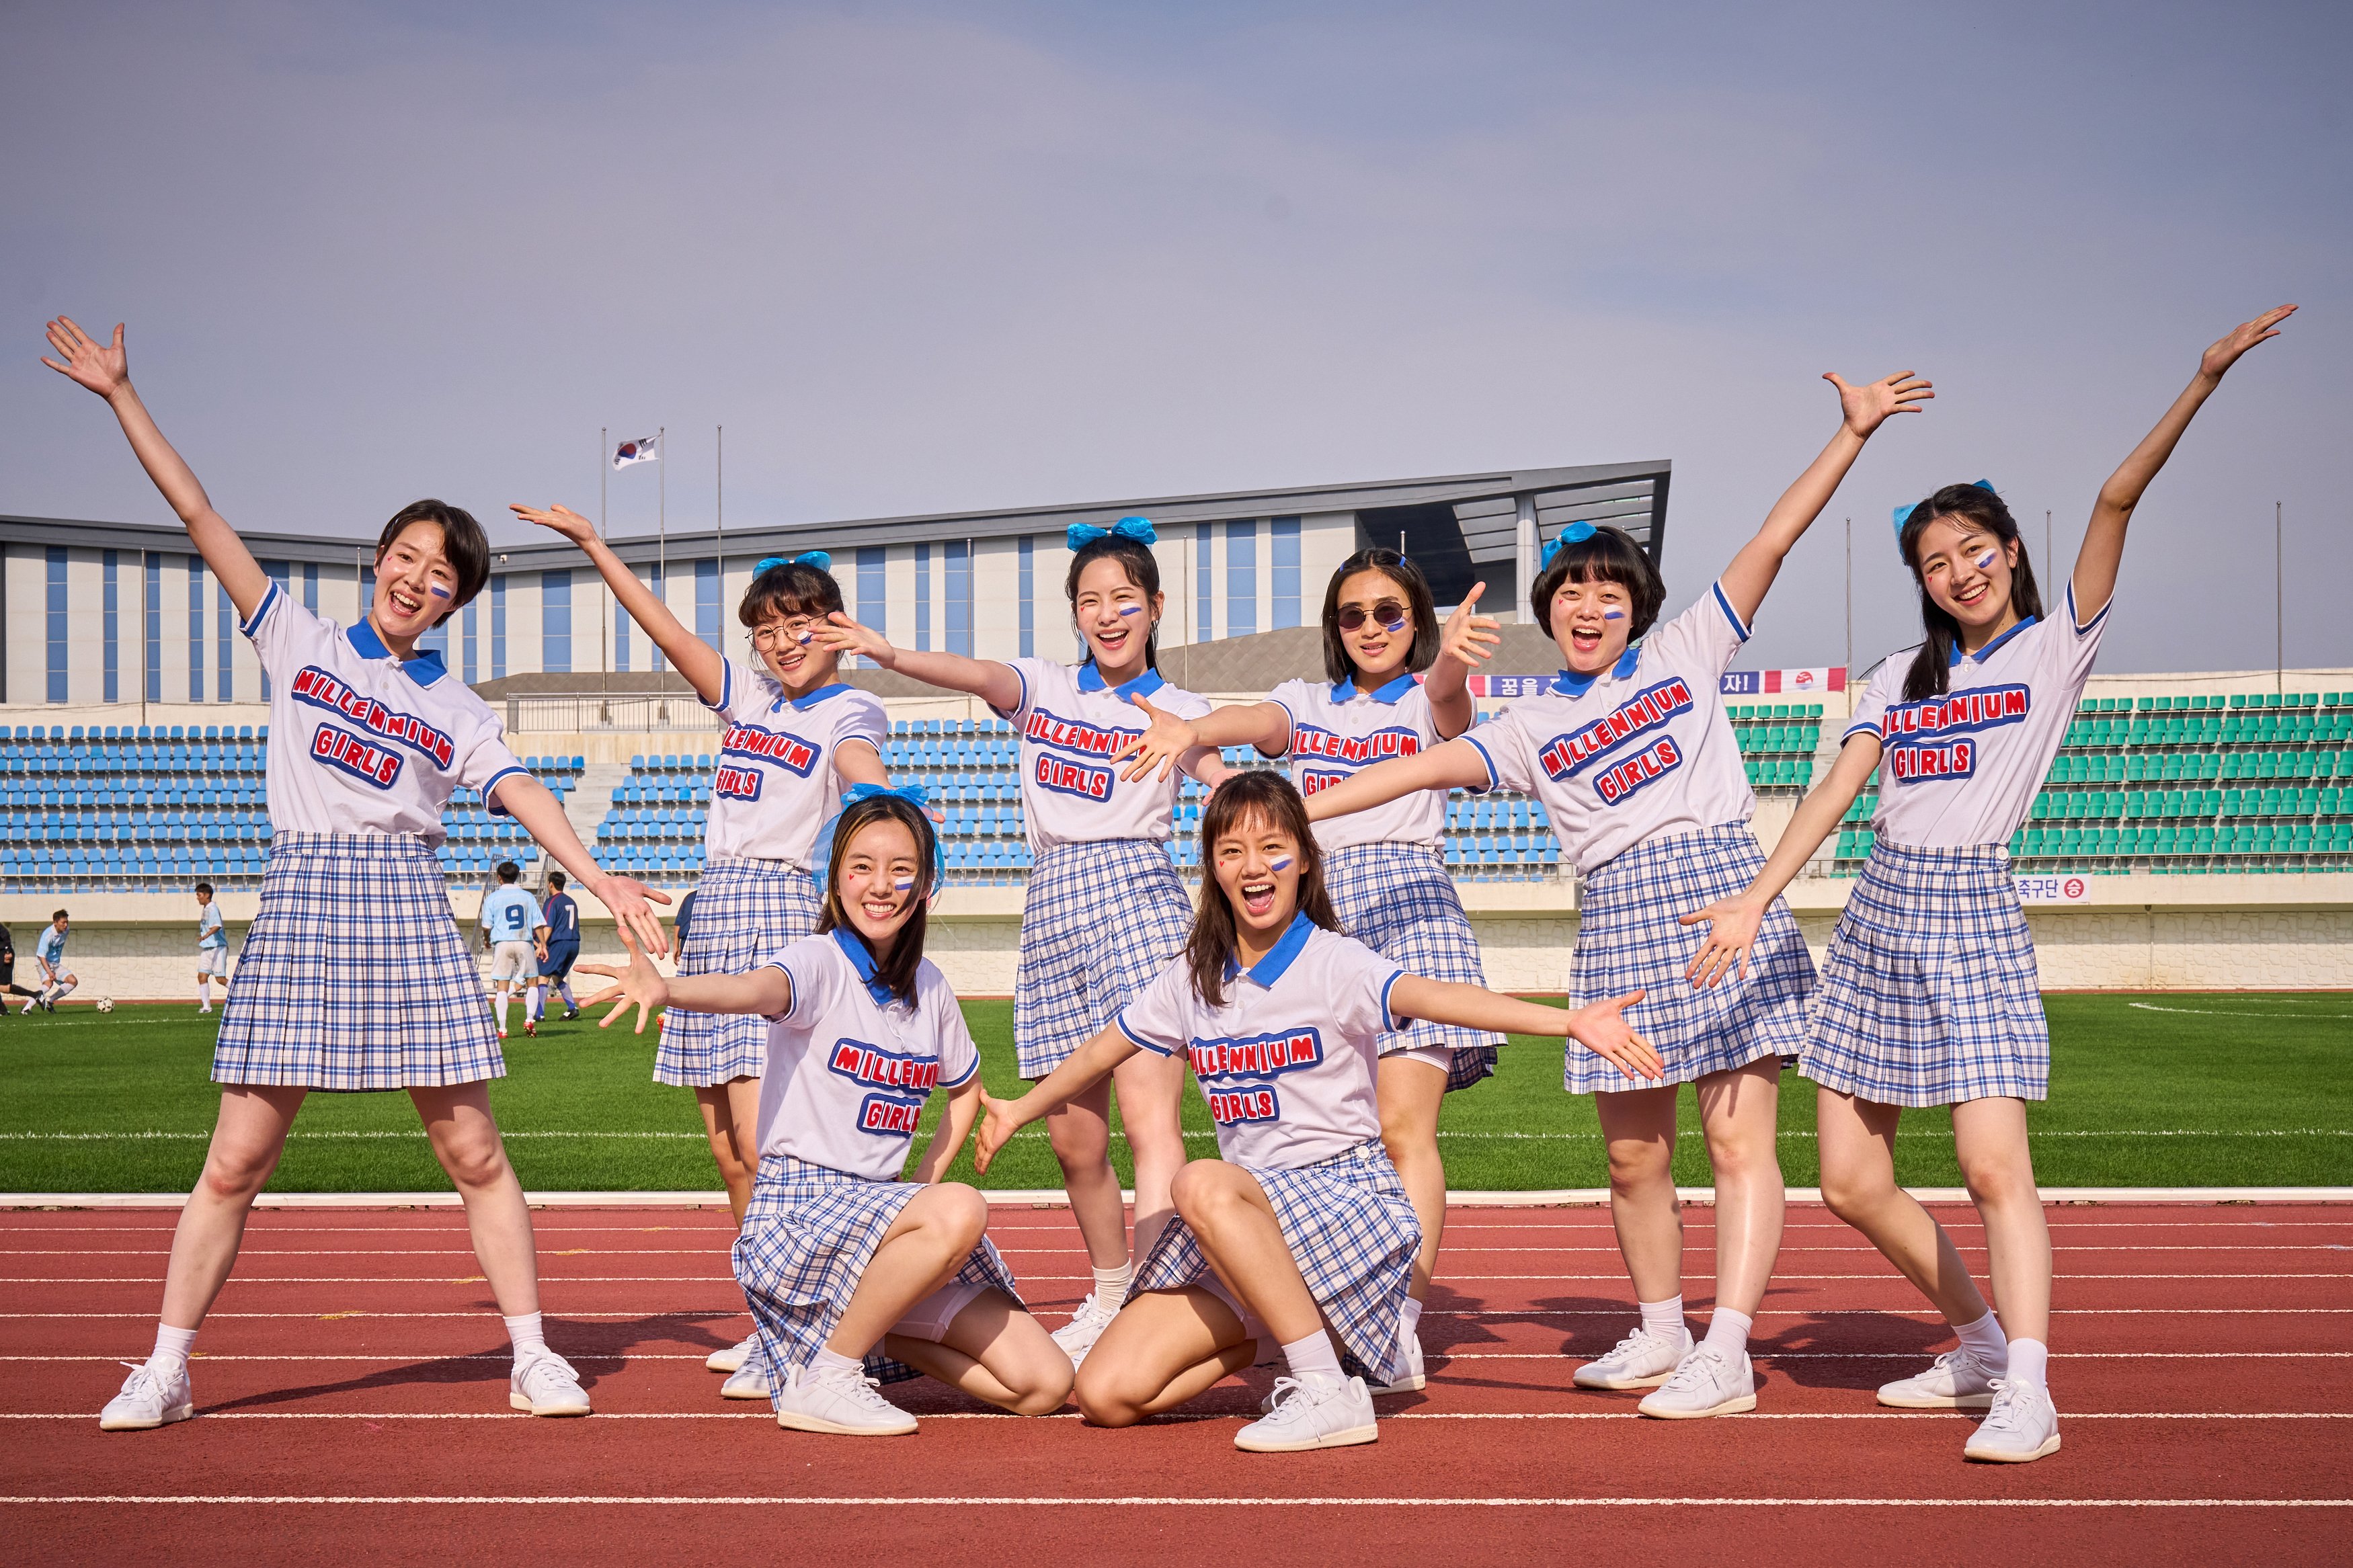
(106, 1004)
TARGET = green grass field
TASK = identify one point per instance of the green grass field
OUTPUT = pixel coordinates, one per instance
(2172, 1089)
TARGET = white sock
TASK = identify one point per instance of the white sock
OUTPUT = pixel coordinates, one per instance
(503, 999)
(835, 1362)
(1111, 1285)
(172, 1345)
(1313, 1358)
(1663, 1316)
(60, 991)
(536, 1007)
(526, 1335)
(2030, 1363)
(203, 991)
(1728, 1331)
(1409, 1321)
(1984, 1341)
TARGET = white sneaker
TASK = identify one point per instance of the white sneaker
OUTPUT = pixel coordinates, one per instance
(1078, 1336)
(733, 1358)
(544, 1384)
(152, 1396)
(749, 1380)
(2022, 1425)
(1953, 1381)
(1708, 1383)
(1415, 1377)
(1318, 1414)
(1643, 1359)
(843, 1403)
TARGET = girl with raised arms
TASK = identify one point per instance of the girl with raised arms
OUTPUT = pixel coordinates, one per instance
(355, 976)
(1104, 908)
(1302, 1222)
(854, 1274)
(1929, 994)
(795, 738)
(1638, 768)
(1388, 879)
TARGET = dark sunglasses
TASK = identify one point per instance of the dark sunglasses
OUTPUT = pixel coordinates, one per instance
(1389, 611)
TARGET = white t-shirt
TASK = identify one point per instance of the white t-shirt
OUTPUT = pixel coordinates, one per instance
(511, 914)
(847, 1074)
(1287, 1065)
(1639, 751)
(777, 777)
(1336, 729)
(1071, 724)
(360, 741)
(1963, 768)
(209, 931)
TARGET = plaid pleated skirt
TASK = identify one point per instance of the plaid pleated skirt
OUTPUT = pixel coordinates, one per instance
(355, 976)
(1352, 1232)
(1627, 939)
(745, 912)
(1398, 900)
(1930, 994)
(809, 1234)
(1099, 923)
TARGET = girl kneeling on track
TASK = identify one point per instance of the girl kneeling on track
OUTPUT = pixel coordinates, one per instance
(1303, 1223)
(1387, 880)
(1929, 993)
(1640, 774)
(853, 1274)
(1104, 908)
(795, 738)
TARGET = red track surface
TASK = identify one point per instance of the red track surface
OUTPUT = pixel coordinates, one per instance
(2200, 1364)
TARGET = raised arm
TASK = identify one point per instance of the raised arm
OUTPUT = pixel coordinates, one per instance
(1467, 641)
(704, 666)
(1454, 764)
(1862, 410)
(766, 992)
(1167, 741)
(994, 683)
(956, 1126)
(528, 801)
(1080, 1071)
(1599, 1027)
(2104, 536)
(105, 369)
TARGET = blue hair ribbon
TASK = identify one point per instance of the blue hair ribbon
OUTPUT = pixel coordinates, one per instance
(915, 795)
(817, 558)
(1138, 529)
(1575, 533)
(1904, 513)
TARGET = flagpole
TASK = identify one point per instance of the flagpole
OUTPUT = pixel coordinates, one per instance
(720, 513)
(1850, 603)
(605, 595)
(662, 539)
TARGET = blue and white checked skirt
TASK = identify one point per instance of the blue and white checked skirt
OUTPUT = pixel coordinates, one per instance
(1352, 1231)
(1628, 939)
(809, 1234)
(1398, 900)
(355, 976)
(745, 912)
(1100, 921)
(1929, 993)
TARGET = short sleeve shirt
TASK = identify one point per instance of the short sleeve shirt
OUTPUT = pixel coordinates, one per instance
(209, 931)
(1071, 725)
(1642, 751)
(776, 778)
(1287, 1064)
(563, 918)
(52, 945)
(848, 1074)
(1336, 729)
(361, 741)
(1962, 768)
(509, 914)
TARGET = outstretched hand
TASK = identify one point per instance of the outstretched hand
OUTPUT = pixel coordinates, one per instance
(1601, 1027)
(637, 983)
(2220, 356)
(998, 1123)
(1867, 407)
(561, 518)
(104, 368)
(1469, 639)
(631, 903)
(838, 634)
(1161, 743)
(1732, 927)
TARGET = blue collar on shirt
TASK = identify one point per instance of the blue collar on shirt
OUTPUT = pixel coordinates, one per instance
(425, 669)
(1344, 690)
(1145, 685)
(1268, 970)
(853, 948)
(1568, 683)
(1987, 652)
(803, 704)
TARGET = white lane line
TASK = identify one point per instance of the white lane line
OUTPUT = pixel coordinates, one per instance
(1893, 1314)
(1890, 1278)
(366, 1135)
(2223, 1013)
(1182, 1418)
(1693, 1218)
(1061, 1252)
(1443, 1357)
(88, 1499)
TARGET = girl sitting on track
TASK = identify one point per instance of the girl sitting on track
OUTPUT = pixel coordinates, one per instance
(368, 741)
(1929, 996)
(1104, 908)
(795, 739)
(1389, 883)
(1303, 1222)
(1640, 774)
(838, 1255)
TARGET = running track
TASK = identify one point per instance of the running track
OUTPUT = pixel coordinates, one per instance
(352, 1398)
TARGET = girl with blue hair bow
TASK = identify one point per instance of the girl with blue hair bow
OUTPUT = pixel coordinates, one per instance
(796, 737)
(1640, 774)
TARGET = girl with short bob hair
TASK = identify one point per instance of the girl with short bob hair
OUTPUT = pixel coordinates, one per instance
(796, 737)
(1640, 773)
(1302, 1220)
(1104, 908)
(1385, 869)
(1929, 993)
(853, 1273)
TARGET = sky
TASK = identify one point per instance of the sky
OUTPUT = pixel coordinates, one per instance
(924, 257)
